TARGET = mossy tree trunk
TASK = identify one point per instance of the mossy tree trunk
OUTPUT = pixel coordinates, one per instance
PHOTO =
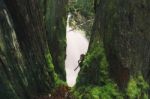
(55, 16)
(124, 27)
(25, 60)
(31, 36)
(94, 70)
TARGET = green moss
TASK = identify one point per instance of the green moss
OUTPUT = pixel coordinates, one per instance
(95, 67)
(108, 91)
(85, 7)
(137, 87)
(115, 26)
(49, 61)
(93, 81)
(56, 79)
(56, 34)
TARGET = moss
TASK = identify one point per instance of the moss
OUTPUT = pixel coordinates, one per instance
(137, 87)
(95, 68)
(93, 81)
(56, 34)
(49, 61)
(55, 78)
(108, 91)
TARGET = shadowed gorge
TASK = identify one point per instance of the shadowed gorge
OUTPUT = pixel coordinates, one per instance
(74, 49)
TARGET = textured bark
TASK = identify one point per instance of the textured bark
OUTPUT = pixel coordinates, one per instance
(26, 68)
(124, 27)
(13, 82)
(55, 18)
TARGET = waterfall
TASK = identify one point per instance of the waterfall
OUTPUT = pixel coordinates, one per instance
(77, 44)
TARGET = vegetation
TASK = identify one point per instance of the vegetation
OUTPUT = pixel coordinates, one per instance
(112, 62)
(137, 87)
(33, 49)
(82, 15)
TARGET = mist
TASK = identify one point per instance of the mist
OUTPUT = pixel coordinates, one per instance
(77, 44)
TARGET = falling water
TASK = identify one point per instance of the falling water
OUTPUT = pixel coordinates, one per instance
(77, 44)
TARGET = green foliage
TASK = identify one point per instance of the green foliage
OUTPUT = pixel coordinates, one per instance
(108, 91)
(112, 22)
(95, 68)
(83, 15)
(59, 81)
(56, 33)
(49, 61)
(133, 90)
(93, 81)
(137, 87)
(85, 7)
(54, 77)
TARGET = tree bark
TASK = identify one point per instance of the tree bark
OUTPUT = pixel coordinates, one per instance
(12, 69)
(27, 69)
(124, 27)
(55, 19)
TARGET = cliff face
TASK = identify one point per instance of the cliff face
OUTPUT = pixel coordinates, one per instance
(27, 68)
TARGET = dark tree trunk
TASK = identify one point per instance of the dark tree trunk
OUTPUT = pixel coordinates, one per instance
(13, 81)
(55, 18)
(26, 67)
(124, 27)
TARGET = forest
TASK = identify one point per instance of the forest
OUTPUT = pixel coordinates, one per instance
(74, 49)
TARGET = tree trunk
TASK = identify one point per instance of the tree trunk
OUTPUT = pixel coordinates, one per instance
(13, 81)
(124, 27)
(55, 20)
(26, 68)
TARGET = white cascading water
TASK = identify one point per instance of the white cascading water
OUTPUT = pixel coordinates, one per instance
(77, 44)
